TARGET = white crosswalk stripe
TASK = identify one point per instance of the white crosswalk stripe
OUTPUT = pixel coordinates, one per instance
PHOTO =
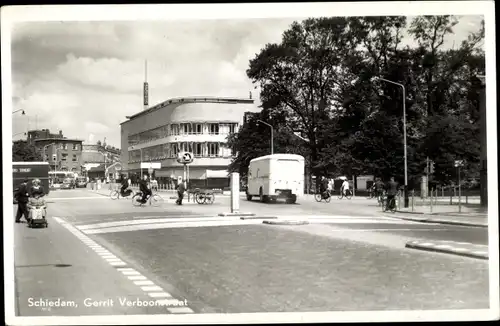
(185, 222)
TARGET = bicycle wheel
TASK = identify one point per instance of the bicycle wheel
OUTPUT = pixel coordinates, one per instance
(318, 197)
(348, 194)
(341, 196)
(393, 206)
(327, 199)
(114, 195)
(156, 200)
(210, 198)
(199, 198)
(135, 198)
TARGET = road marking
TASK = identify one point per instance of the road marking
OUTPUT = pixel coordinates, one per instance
(146, 285)
(78, 198)
(159, 295)
(147, 282)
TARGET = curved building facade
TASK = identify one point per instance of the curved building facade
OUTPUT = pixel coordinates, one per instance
(199, 125)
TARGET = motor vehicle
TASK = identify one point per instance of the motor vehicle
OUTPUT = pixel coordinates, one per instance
(81, 182)
(276, 176)
(68, 184)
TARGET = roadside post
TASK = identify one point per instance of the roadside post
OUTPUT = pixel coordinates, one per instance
(413, 200)
(431, 200)
(458, 164)
(235, 192)
(185, 158)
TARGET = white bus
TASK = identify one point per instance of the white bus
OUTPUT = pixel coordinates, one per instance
(276, 176)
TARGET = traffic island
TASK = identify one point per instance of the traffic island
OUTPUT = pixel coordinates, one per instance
(285, 222)
(257, 217)
(441, 219)
(237, 214)
(451, 247)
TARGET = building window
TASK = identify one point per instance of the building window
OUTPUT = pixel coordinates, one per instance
(198, 128)
(175, 130)
(75, 147)
(214, 129)
(232, 128)
(65, 146)
(198, 149)
(75, 158)
(186, 128)
(174, 150)
(213, 149)
(64, 157)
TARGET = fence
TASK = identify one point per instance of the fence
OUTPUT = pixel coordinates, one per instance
(442, 200)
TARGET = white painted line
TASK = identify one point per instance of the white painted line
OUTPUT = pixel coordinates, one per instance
(460, 249)
(125, 269)
(151, 288)
(180, 310)
(159, 295)
(143, 283)
(137, 278)
(79, 198)
(113, 260)
(174, 225)
(118, 264)
(131, 273)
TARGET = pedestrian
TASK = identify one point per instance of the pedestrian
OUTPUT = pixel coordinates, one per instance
(180, 192)
(392, 190)
(22, 197)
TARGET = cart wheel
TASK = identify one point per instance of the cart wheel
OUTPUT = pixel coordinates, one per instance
(210, 198)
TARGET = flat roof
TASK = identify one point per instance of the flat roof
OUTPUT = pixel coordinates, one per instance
(58, 139)
(191, 99)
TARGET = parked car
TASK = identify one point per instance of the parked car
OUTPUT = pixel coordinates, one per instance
(68, 184)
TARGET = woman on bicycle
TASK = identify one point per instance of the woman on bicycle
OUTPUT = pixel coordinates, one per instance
(345, 187)
(143, 188)
(323, 187)
(392, 191)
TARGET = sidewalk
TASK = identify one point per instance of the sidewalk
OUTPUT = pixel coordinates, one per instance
(451, 247)
(470, 216)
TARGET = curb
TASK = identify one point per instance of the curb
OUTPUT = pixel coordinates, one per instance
(452, 251)
(237, 214)
(447, 222)
(285, 222)
(257, 217)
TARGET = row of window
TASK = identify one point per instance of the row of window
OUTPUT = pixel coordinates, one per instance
(183, 129)
(64, 157)
(171, 150)
(75, 147)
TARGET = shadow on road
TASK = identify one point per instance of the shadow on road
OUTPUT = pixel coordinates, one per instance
(44, 265)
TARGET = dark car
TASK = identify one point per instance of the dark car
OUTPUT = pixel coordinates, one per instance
(81, 182)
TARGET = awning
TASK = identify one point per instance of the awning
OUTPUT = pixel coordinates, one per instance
(217, 174)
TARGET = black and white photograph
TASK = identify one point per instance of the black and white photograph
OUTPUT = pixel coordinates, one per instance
(250, 163)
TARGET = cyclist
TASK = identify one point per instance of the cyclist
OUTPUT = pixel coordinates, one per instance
(392, 190)
(345, 187)
(124, 189)
(378, 187)
(323, 187)
(143, 187)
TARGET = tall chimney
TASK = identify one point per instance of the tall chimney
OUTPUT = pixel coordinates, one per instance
(146, 86)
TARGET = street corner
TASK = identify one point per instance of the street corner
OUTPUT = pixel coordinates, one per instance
(451, 247)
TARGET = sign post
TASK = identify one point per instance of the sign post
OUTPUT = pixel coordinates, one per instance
(185, 158)
(458, 164)
(235, 192)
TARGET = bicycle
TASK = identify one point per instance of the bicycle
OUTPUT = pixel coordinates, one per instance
(154, 200)
(204, 198)
(391, 206)
(348, 194)
(381, 197)
(116, 194)
(325, 195)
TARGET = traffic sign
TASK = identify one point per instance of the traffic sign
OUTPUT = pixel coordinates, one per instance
(459, 163)
(185, 158)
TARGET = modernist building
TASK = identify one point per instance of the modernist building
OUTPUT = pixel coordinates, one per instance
(34, 135)
(199, 125)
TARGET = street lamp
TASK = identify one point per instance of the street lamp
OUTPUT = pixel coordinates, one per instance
(272, 143)
(141, 159)
(22, 111)
(407, 200)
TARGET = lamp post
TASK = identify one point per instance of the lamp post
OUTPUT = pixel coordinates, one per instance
(44, 150)
(404, 137)
(20, 110)
(272, 137)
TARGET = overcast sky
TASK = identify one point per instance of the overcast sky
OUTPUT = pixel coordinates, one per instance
(84, 77)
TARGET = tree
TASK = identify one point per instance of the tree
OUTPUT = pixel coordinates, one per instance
(22, 151)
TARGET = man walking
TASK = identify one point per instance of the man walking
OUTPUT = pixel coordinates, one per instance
(22, 197)
(180, 192)
(392, 190)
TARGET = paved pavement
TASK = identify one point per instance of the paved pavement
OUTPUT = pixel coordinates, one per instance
(348, 257)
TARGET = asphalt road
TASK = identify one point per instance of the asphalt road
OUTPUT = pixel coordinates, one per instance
(347, 259)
